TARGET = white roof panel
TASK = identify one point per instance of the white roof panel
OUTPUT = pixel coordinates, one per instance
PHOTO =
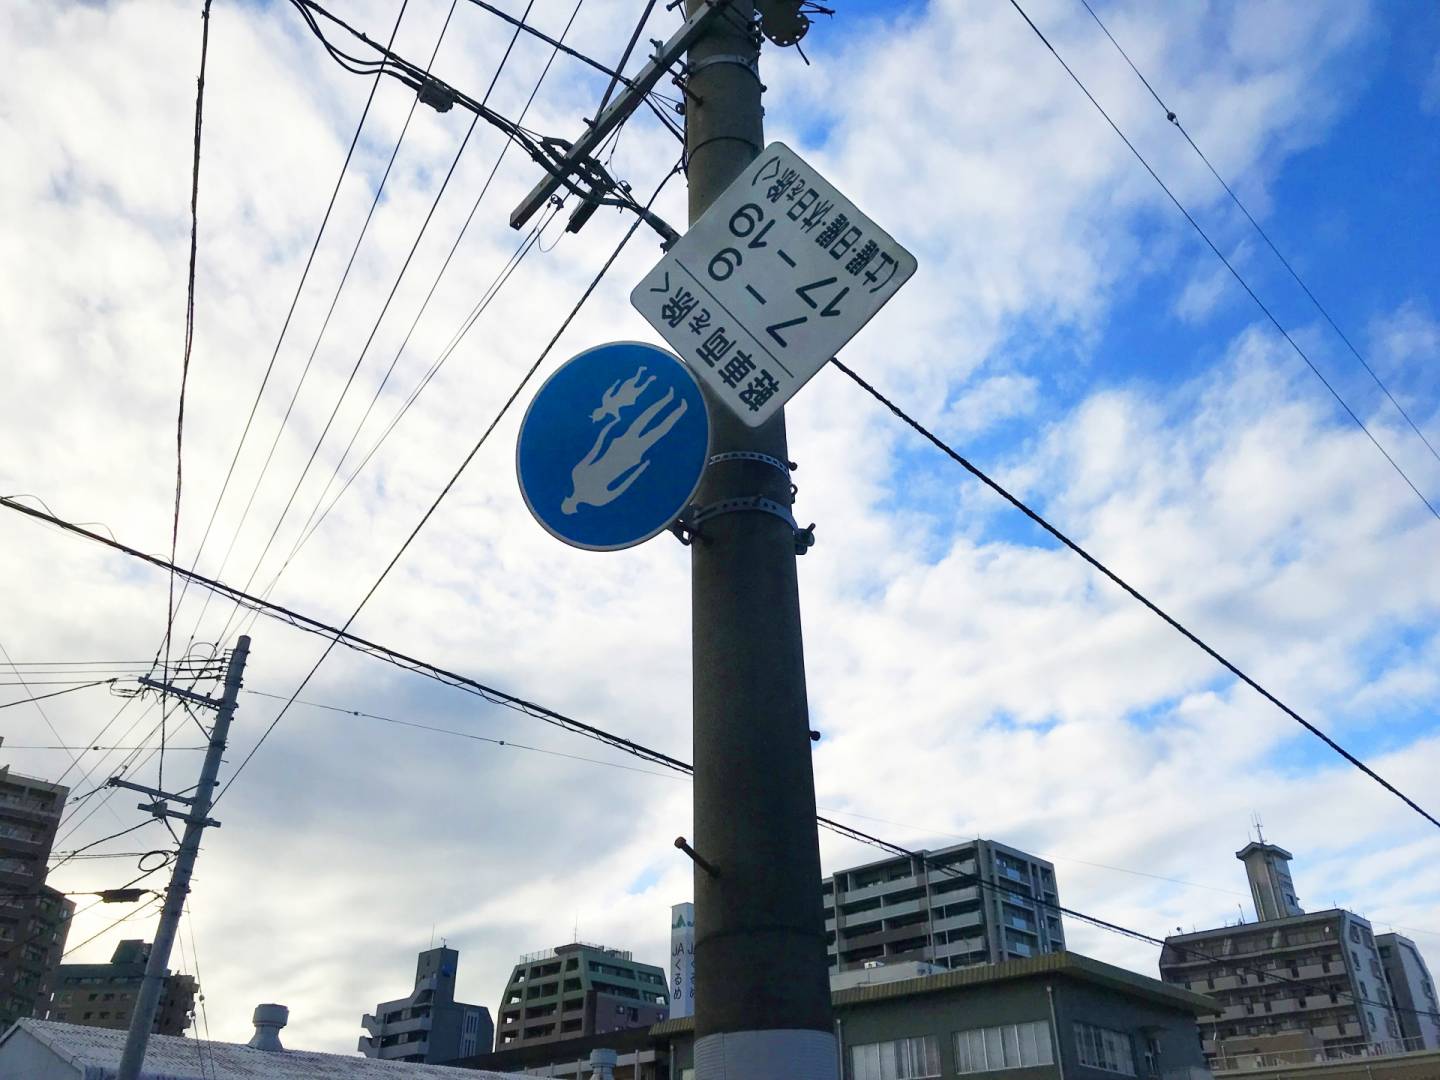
(171, 1058)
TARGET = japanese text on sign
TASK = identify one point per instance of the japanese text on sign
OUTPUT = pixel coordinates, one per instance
(779, 273)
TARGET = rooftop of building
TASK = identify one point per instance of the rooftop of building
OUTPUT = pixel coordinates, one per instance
(574, 947)
(1328, 915)
(7, 776)
(931, 853)
(169, 1057)
(1262, 846)
(1064, 964)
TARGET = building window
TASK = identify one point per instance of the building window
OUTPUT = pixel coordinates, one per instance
(1009, 1046)
(904, 1059)
(1101, 1048)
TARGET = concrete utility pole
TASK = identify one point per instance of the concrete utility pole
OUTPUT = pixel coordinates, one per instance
(762, 995)
(196, 820)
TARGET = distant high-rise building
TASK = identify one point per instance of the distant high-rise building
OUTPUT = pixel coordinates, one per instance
(33, 918)
(1413, 991)
(979, 902)
(576, 990)
(1294, 981)
(1271, 887)
(103, 995)
(429, 1025)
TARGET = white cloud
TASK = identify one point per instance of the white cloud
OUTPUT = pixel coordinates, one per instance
(968, 677)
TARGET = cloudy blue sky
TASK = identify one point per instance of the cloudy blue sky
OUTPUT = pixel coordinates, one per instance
(1067, 329)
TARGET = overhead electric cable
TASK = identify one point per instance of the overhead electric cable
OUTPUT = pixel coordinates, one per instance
(285, 326)
(54, 693)
(482, 305)
(1130, 590)
(13, 746)
(568, 723)
(189, 329)
(75, 801)
(123, 919)
(559, 44)
(550, 154)
(510, 743)
(97, 843)
(454, 479)
(1194, 224)
(313, 523)
(375, 329)
(343, 635)
(1174, 119)
(319, 337)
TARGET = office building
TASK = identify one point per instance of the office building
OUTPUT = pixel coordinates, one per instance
(1412, 990)
(975, 903)
(578, 990)
(1056, 1016)
(103, 995)
(429, 1025)
(33, 918)
(1294, 983)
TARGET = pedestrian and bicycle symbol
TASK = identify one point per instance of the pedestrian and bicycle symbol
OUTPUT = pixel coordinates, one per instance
(613, 446)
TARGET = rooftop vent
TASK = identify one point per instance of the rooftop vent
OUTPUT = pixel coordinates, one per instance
(269, 1019)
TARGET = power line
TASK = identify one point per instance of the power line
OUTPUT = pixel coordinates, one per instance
(1171, 116)
(312, 524)
(558, 719)
(73, 802)
(1133, 592)
(482, 305)
(593, 185)
(1227, 263)
(309, 360)
(189, 334)
(560, 46)
(12, 746)
(379, 318)
(123, 919)
(357, 643)
(512, 744)
(96, 843)
(285, 326)
(550, 716)
(455, 478)
(34, 698)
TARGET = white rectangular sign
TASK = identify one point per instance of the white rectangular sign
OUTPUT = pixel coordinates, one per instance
(774, 278)
(682, 960)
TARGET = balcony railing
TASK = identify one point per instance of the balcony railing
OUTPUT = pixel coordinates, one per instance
(1345, 1051)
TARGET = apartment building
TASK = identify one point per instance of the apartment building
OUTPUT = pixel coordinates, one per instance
(428, 1026)
(1301, 980)
(103, 995)
(34, 918)
(980, 902)
(577, 990)
(1412, 990)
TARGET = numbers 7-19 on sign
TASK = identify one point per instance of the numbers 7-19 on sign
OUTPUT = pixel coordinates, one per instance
(774, 278)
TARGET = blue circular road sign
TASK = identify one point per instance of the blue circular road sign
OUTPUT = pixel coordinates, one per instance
(612, 448)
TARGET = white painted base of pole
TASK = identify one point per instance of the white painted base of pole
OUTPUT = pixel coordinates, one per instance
(784, 1054)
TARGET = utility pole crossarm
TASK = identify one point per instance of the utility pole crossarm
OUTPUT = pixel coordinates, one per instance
(625, 103)
(175, 691)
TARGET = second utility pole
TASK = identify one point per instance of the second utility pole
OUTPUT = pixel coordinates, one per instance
(196, 819)
(762, 994)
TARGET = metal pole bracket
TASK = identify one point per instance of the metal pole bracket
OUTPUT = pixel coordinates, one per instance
(689, 526)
